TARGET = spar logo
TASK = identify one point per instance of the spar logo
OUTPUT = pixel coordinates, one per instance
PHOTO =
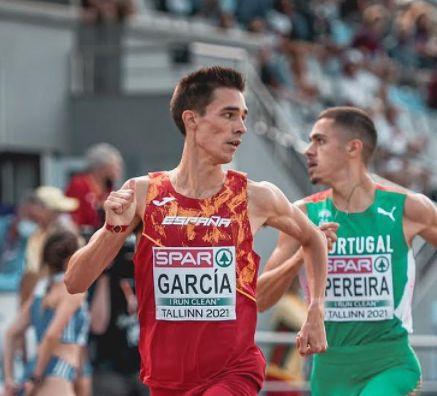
(382, 264)
(223, 258)
(183, 257)
(192, 257)
(350, 265)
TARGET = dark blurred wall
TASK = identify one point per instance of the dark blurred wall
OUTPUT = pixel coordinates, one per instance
(140, 126)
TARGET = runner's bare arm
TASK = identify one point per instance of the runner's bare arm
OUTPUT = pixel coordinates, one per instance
(15, 331)
(269, 206)
(123, 207)
(279, 272)
(284, 264)
(421, 218)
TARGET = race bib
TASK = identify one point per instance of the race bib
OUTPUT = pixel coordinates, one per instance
(194, 283)
(359, 288)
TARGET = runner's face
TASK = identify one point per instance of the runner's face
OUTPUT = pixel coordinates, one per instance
(326, 153)
(221, 128)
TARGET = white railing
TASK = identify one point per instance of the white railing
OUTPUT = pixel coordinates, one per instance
(421, 343)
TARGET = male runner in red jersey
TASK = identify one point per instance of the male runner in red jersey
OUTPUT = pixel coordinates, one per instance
(195, 267)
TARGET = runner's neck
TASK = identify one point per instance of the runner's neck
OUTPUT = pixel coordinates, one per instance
(353, 195)
(199, 183)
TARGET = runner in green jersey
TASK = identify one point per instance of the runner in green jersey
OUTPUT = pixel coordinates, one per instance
(370, 228)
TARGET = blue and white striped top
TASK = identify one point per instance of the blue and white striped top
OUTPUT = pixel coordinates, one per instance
(77, 328)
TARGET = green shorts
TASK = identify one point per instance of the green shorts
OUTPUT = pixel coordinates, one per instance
(386, 369)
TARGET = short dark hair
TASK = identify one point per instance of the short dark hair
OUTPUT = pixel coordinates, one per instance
(58, 247)
(358, 124)
(195, 91)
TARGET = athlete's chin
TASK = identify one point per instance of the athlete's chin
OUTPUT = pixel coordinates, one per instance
(314, 179)
(226, 159)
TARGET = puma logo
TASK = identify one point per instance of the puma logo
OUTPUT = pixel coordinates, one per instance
(164, 201)
(388, 214)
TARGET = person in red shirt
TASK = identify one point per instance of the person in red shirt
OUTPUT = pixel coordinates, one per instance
(91, 188)
(195, 266)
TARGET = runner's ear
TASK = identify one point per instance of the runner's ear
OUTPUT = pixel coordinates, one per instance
(189, 119)
(355, 147)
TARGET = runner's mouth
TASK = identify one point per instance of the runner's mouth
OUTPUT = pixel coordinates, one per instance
(234, 143)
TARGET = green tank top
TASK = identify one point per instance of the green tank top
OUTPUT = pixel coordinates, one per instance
(371, 270)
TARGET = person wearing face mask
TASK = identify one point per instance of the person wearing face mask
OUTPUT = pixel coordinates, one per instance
(15, 229)
(48, 209)
(91, 188)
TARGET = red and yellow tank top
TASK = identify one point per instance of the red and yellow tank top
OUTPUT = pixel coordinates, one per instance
(195, 272)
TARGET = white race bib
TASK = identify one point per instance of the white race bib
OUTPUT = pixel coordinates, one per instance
(194, 283)
(359, 288)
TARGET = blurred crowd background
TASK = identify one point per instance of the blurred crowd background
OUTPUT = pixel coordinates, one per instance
(111, 355)
(378, 55)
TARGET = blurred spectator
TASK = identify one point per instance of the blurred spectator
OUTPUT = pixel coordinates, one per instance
(375, 26)
(287, 20)
(24, 235)
(104, 168)
(275, 71)
(100, 43)
(115, 362)
(350, 10)
(279, 18)
(216, 12)
(425, 41)
(114, 344)
(47, 208)
(52, 312)
(246, 12)
(180, 7)
(396, 152)
(356, 86)
(400, 46)
(15, 229)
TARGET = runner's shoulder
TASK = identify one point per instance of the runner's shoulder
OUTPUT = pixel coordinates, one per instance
(265, 197)
(141, 187)
(301, 204)
(316, 197)
(391, 187)
(141, 184)
(313, 198)
(261, 189)
(142, 181)
(418, 207)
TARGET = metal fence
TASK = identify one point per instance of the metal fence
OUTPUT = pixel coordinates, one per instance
(425, 347)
